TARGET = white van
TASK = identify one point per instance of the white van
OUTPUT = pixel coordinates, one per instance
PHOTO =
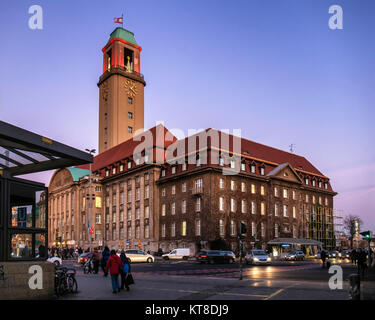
(179, 253)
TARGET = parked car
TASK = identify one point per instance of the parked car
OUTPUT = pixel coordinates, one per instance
(333, 254)
(138, 256)
(215, 256)
(257, 257)
(345, 254)
(56, 260)
(179, 253)
(295, 255)
(82, 259)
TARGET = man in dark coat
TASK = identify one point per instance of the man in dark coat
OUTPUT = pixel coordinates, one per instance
(105, 256)
(323, 256)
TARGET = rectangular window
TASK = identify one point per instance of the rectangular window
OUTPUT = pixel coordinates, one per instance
(243, 187)
(294, 212)
(263, 233)
(163, 230)
(173, 170)
(129, 214)
(173, 229)
(243, 166)
(198, 204)
(232, 205)
(276, 210)
(98, 218)
(262, 171)
(130, 129)
(173, 208)
(232, 164)
(98, 202)
(276, 230)
(130, 115)
(253, 207)
(253, 229)
(147, 191)
(183, 231)
(138, 194)
(221, 204)
(243, 206)
(232, 228)
(262, 208)
(163, 192)
(285, 193)
(138, 213)
(232, 185)
(129, 232)
(184, 187)
(147, 231)
(276, 192)
(253, 188)
(198, 228)
(294, 195)
(285, 210)
(183, 206)
(147, 212)
(173, 189)
(129, 196)
(221, 183)
(163, 209)
(221, 227)
(137, 232)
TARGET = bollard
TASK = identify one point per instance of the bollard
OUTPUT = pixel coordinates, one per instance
(355, 286)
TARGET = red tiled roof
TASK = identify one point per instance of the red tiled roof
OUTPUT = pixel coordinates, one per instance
(125, 149)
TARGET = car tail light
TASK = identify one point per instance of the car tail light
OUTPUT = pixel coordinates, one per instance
(203, 256)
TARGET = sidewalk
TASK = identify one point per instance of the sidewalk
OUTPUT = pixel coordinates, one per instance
(368, 285)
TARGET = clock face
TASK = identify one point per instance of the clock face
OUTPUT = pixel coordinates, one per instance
(131, 88)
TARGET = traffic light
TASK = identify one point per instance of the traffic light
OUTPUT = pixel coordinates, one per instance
(366, 234)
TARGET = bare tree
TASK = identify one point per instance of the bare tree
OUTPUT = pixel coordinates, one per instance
(350, 223)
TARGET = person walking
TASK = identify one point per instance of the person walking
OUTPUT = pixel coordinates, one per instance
(105, 257)
(96, 260)
(114, 265)
(361, 262)
(124, 271)
(323, 256)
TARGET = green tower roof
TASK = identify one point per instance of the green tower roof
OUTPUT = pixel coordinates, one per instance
(123, 34)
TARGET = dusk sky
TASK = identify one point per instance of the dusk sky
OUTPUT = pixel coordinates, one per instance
(272, 68)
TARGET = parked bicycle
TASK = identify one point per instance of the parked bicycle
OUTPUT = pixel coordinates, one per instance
(65, 281)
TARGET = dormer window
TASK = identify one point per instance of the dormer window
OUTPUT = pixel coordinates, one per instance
(307, 181)
(221, 161)
(326, 185)
(129, 164)
(163, 173)
(107, 173)
(121, 167)
(243, 166)
(262, 171)
(313, 183)
(320, 184)
(253, 168)
(173, 170)
(114, 170)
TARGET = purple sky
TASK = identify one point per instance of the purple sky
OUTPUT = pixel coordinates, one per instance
(271, 68)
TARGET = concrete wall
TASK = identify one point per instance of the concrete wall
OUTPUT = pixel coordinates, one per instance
(16, 281)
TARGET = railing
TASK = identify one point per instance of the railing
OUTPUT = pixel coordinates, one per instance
(122, 68)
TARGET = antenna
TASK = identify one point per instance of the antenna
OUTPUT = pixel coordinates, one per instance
(292, 147)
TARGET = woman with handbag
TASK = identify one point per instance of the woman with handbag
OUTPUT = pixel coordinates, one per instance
(125, 271)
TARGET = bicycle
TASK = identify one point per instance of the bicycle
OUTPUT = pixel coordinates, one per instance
(65, 281)
(88, 267)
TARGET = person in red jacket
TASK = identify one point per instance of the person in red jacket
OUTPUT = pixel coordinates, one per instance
(114, 264)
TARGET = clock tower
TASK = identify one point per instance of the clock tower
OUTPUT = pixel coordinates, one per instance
(121, 90)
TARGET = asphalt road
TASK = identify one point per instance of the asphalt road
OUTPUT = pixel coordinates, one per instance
(188, 280)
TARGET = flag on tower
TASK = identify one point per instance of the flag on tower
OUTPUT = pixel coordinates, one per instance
(118, 20)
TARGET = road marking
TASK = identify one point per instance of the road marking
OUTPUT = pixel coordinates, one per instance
(210, 292)
(274, 294)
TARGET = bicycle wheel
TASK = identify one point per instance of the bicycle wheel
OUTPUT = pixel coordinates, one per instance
(72, 285)
(62, 288)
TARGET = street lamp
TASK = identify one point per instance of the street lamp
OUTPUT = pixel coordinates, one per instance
(91, 151)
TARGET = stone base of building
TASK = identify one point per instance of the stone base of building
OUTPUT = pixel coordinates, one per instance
(27, 280)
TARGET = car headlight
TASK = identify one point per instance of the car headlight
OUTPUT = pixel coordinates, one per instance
(256, 259)
(268, 259)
